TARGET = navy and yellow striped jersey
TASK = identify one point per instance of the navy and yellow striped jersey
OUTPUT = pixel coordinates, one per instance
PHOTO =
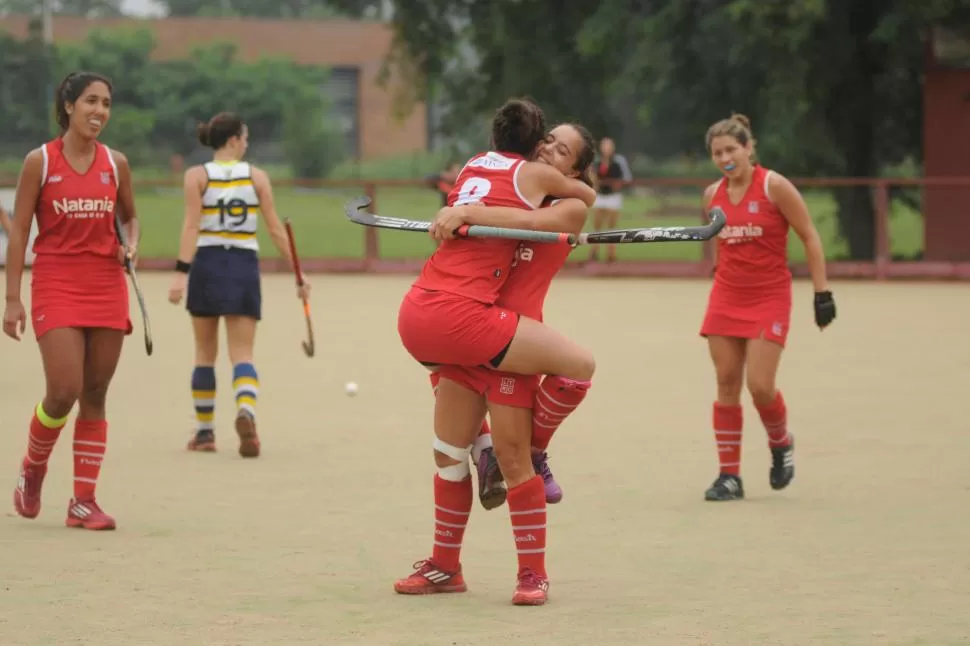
(230, 207)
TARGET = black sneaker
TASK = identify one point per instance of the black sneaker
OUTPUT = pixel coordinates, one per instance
(726, 487)
(782, 465)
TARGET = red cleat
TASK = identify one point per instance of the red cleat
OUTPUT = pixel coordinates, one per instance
(531, 590)
(429, 579)
(86, 514)
(203, 441)
(26, 497)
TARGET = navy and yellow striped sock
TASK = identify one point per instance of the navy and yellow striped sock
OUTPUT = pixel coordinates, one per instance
(204, 397)
(245, 383)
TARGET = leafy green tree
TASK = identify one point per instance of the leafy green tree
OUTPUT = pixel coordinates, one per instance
(832, 86)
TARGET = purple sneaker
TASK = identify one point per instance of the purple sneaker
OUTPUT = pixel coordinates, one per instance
(540, 461)
(491, 484)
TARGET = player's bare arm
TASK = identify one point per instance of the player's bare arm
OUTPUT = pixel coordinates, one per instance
(567, 216)
(4, 220)
(791, 204)
(126, 202)
(705, 207)
(264, 191)
(25, 203)
(544, 180)
(193, 185)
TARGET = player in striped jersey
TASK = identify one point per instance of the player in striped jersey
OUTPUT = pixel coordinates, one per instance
(219, 264)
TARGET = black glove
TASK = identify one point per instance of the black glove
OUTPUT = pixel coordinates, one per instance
(824, 309)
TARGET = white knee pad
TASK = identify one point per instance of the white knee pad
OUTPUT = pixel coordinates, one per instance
(454, 472)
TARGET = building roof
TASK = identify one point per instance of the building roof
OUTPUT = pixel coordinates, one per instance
(310, 42)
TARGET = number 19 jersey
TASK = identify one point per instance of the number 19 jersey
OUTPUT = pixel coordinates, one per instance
(477, 268)
(230, 207)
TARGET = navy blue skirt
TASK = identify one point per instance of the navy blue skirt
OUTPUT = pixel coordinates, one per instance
(224, 282)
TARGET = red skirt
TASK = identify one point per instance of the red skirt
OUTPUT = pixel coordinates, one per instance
(438, 328)
(82, 291)
(761, 314)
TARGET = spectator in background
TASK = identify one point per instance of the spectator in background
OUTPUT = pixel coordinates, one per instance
(612, 174)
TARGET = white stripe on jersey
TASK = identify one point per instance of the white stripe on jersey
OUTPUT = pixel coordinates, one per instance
(230, 207)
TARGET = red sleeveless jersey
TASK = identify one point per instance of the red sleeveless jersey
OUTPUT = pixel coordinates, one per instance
(477, 268)
(752, 248)
(535, 265)
(75, 211)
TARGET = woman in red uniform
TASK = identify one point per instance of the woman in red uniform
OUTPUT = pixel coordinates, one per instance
(79, 298)
(461, 392)
(749, 307)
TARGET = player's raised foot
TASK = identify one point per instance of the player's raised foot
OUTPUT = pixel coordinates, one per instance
(491, 485)
(246, 430)
(86, 514)
(782, 465)
(203, 441)
(540, 461)
(726, 487)
(428, 578)
(531, 590)
(26, 497)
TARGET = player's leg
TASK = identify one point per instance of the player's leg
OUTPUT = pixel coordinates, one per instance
(555, 399)
(763, 359)
(205, 330)
(102, 352)
(511, 430)
(62, 354)
(241, 335)
(491, 488)
(728, 355)
(537, 349)
(457, 419)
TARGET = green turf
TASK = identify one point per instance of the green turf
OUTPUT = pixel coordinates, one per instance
(323, 231)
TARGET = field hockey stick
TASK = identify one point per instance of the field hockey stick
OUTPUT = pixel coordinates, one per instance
(309, 347)
(659, 234)
(146, 323)
(356, 212)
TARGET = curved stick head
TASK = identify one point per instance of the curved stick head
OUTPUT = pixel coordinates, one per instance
(356, 210)
(148, 348)
(718, 218)
(308, 349)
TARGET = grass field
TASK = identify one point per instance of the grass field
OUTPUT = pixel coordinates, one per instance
(868, 546)
(323, 230)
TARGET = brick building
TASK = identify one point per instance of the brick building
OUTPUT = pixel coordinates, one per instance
(353, 50)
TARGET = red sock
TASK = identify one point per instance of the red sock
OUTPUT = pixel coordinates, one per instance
(42, 437)
(555, 399)
(775, 418)
(90, 437)
(728, 422)
(452, 506)
(527, 507)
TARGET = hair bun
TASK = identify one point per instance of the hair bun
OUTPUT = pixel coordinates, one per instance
(202, 130)
(742, 119)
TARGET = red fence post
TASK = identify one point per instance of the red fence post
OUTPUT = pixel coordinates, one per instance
(883, 242)
(371, 248)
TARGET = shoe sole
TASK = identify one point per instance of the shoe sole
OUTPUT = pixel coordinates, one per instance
(494, 497)
(248, 440)
(528, 602)
(205, 447)
(79, 524)
(432, 590)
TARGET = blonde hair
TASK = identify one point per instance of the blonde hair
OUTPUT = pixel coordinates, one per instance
(737, 126)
